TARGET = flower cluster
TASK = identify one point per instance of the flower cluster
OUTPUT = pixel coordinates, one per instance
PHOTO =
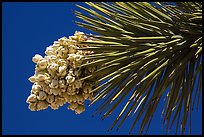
(57, 76)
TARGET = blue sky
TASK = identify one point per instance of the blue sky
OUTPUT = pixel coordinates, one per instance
(28, 28)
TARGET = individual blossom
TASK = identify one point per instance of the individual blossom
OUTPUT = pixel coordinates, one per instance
(80, 99)
(42, 64)
(70, 79)
(40, 77)
(42, 95)
(32, 106)
(35, 89)
(73, 106)
(50, 51)
(42, 105)
(36, 58)
(50, 98)
(54, 83)
(80, 108)
(55, 91)
(32, 79)
(31, 98)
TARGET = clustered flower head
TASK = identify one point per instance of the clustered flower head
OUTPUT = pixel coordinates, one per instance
(57, 76)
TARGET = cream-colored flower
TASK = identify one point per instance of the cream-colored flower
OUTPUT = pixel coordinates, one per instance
(62, 83)
(31, 98)
(42, 64)
(62, 74)
(36, 88)
(78, 33)
(54, 83)
(62, 69)
(40, 77)
(80, 99)
(42, 105)
(60, 101)
(50, 51)
(42, 95)
(70, 79)
(71, 72)
(47, 78)
(65, 96)
(63, 89)
(55, 91)
(62, 62)
(32, 106)
(54, 106)
(73, 38)
(79, 58)
(79, 109)
(51, 59)
(73, 106)
(56, 44)
(79, 52)
(53, 66)
(74, 98)
(71, 90)
(63, 41)
(32, 79)
(45, 88)
(50, 98)
(36, 58)
(72, 49)
(71, 57)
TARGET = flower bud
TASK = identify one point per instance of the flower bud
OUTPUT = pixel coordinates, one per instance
(62, 83)
(56, 44)
(73, 106)
(36, 88)
(42, 64)
(32, 79)
(54, 106)
(42, 95)
(80, 99)
(79, 109)
(62, 62)
(62, 69)
(73, 37)
(36, 58)
(40, 77)
(60, 101)
(70, 79)
(49, 51)
(55, 91)
(32, 106)
(31, 98)
(42, 105)
(71, 57)
(63, 41)
(65, 95)
(50, 98)
(54, 83)
(54, 66)
(72, 49)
